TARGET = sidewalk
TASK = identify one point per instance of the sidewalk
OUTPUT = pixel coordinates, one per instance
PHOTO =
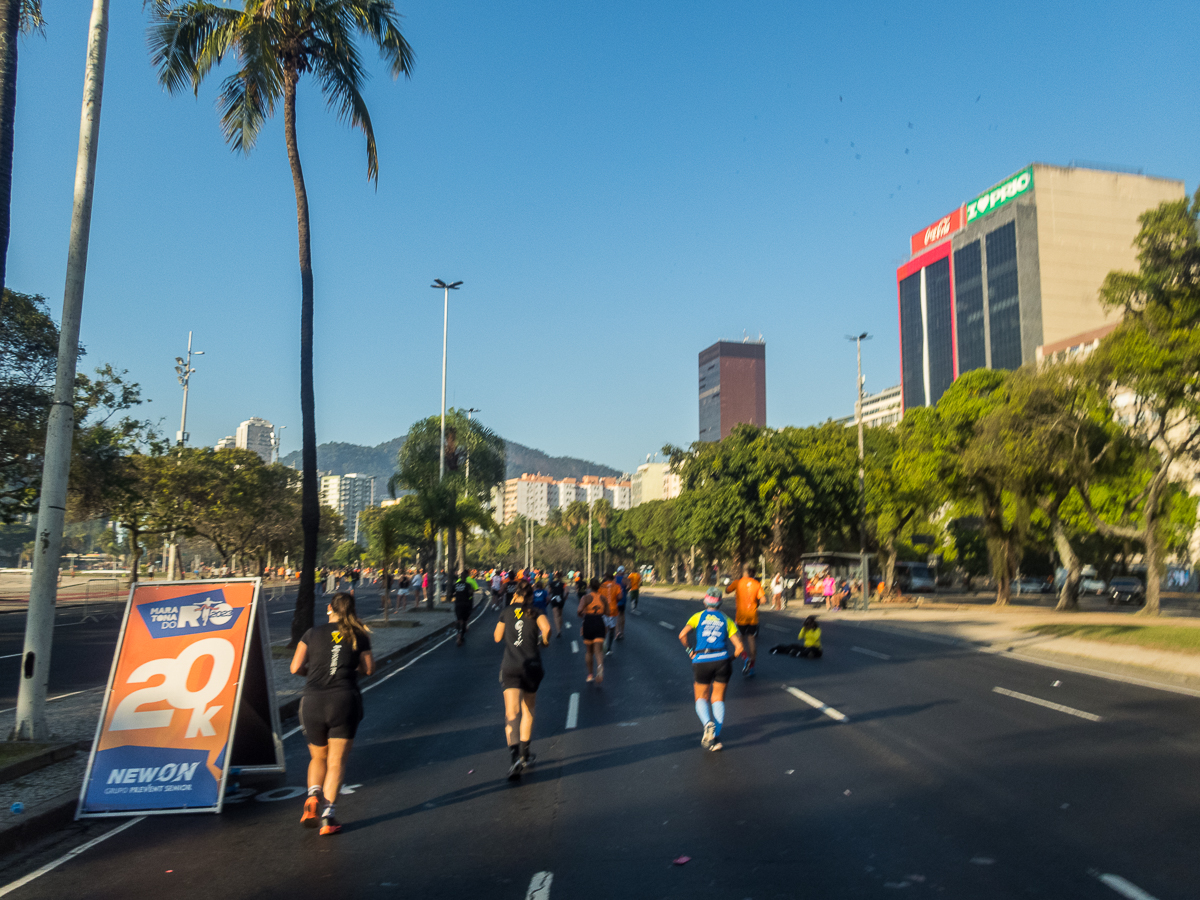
(49, 794)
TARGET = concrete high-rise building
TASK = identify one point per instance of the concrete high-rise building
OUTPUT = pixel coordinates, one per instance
(1017, 268)
(733, 387)
(647, 483)
(229, 442)
(878, 409)
(349, 494)
(531, 496)
(258, 435)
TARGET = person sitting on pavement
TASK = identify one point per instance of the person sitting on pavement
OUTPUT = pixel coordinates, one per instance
(810, 638)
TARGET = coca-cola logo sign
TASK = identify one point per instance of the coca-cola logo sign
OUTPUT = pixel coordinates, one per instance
(938, 231)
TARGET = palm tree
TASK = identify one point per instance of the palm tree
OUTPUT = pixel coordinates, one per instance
(16, 16)
(274, 44)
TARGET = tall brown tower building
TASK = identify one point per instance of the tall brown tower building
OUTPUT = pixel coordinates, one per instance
(733, 387)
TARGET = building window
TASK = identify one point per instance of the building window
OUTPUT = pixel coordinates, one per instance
(968, 301)
(912, 341)
(940, 328)
(1004, 308)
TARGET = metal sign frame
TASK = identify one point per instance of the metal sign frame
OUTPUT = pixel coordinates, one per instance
(256, 623)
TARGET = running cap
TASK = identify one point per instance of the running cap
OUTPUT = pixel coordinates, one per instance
(713, 597)
(620, 568)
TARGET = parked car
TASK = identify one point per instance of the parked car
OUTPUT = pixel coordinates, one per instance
(1126, 589)
(915, 576)
(1031, 584)
(1092, 585)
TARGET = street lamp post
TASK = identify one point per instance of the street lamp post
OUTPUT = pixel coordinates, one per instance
(183, 374)
(446, 289)
(862, 473)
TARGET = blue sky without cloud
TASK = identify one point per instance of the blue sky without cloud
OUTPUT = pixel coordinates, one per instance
(618, 184)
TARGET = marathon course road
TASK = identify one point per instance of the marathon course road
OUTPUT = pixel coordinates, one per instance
(891, 766)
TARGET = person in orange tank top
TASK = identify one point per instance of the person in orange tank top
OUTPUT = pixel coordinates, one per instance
(611, 592)
(750, 596)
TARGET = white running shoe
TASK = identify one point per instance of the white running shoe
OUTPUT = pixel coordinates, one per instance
(710, 735)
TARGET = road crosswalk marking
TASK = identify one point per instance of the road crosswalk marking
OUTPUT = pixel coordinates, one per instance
(1070, 711)
(816, 704)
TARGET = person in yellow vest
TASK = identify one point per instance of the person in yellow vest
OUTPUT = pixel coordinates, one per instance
(810, 638)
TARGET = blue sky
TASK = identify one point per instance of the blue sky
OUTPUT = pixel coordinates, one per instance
(618, 184)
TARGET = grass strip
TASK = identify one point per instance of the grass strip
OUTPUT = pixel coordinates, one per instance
(1178, 638)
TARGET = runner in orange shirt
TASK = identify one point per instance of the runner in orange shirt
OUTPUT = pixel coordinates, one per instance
(749, 597)
(635, 587)
(611, 592)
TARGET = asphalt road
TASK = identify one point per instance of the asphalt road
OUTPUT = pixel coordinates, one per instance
(936, 785)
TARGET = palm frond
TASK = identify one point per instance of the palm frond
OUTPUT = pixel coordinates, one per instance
(31, 17)
(378, 20)
(180, 35)
(339, 73)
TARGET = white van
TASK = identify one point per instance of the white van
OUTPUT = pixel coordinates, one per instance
(915, 576)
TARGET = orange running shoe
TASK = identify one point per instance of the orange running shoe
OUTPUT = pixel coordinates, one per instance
(330, 825)
(309, 817)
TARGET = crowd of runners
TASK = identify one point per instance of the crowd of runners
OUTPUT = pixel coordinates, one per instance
(531, 606)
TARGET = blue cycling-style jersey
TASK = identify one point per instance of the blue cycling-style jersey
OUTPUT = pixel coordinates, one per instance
(541, 598)
(713, 632)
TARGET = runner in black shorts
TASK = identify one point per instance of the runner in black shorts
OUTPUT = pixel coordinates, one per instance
(592, 631)
(331, 656)
(712, 649)
(523, 629)
(558, 596)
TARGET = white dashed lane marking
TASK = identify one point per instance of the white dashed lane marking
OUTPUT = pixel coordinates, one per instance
(1125, 888)
(667, 625)
(875, 653)
(573, 711)
(539, 886)
(574, 646)
(1058, 707)
(816, 704)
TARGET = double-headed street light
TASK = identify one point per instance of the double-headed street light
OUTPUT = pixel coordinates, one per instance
(446, 289)
(184, 373)
(862, 471)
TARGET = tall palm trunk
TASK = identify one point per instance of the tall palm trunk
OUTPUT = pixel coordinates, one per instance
(310, 510)
(10, 29)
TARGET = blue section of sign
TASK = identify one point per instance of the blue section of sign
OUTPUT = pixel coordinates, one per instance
(193, 614)
(132, 778)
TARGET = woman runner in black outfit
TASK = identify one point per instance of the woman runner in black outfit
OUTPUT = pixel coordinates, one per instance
(592, 631)
(523, 629)
(331, 655)
(558, 596)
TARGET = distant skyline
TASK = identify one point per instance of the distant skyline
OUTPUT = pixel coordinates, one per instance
(619, 186)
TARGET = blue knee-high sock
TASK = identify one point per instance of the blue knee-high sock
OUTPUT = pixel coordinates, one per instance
(718, 711)
(703, 711)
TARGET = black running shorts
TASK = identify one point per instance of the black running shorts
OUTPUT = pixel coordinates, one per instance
(556, 602)
(593, 628)
(526, 679)
(330, 714)
(707, 672)
(748, 630)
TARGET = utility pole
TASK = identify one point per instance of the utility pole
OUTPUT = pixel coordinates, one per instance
(862, 476)
(446, 289)
(589, 546)
(31, 722)
(183, 374)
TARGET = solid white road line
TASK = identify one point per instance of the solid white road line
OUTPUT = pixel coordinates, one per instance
(573, 711)
(539, 886)
(667, 625)
(375, 684)
(1125, 888)
(816, 704)
(874, 653)
(12, 656)
(1091, 717)
(574, 646)
(82, 848)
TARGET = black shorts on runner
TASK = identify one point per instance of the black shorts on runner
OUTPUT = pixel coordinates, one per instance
(748, 630)
(718, 670)
(556, 602)
(633, 595)
(593, 628)
(330, 714)
(526, 679)
(462, 611)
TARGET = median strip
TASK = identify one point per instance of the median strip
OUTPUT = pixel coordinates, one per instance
(1070, 711)
(816, 704)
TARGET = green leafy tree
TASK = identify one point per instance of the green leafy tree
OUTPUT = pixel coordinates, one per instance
(275, 44)
(1151, 367)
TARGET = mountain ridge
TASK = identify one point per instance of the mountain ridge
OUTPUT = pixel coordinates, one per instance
(341, 458)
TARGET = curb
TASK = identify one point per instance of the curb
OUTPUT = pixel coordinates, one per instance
(52, 754)
(40, 820)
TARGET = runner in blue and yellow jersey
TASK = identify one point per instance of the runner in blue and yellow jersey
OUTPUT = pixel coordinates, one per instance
(716, 643)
